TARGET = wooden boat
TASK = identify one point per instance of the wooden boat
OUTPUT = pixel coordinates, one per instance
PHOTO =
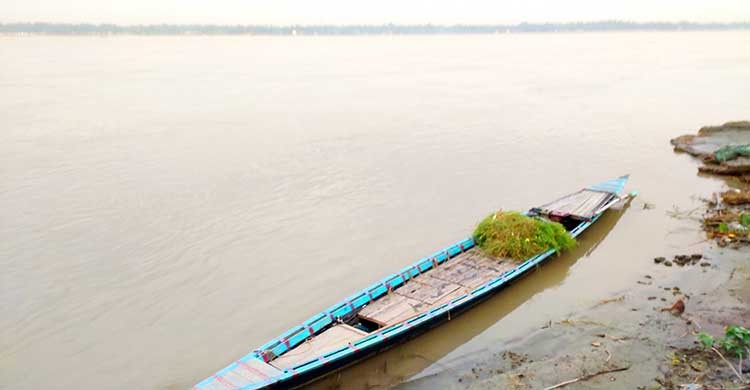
(403, 305)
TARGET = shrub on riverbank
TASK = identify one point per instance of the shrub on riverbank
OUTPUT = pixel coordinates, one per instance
(513, 235)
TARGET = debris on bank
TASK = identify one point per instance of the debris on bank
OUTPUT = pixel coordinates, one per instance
(725, 149)
(728, 221)
(736, 197)
(682, 260)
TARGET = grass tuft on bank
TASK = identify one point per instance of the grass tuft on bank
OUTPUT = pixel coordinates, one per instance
(512, 235)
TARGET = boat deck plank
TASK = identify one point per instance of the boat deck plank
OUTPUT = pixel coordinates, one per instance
(493, 266)
(427, 289)
(334, 337)
(391, 309)
(245, 373)
(461, 272)
(471, 270)
(435, 287)
(583, 203)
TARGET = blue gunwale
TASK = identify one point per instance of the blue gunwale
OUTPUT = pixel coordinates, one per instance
(298, 334)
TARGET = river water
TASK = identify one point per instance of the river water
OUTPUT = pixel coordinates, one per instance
(170, 203)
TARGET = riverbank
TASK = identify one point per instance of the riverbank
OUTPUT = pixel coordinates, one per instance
(628, 334)
(644, 337)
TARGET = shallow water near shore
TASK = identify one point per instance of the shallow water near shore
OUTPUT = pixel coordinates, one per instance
(171, 203)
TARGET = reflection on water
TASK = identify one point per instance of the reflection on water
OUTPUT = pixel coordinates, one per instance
(401, 362)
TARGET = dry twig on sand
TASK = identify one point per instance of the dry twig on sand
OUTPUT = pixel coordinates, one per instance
(610, 300)
(587, 377)
(739, 376)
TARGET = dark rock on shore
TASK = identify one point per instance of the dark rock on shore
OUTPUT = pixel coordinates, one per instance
(712, 138)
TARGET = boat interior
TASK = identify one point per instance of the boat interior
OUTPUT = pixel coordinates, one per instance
(434, 287)
(438, 281)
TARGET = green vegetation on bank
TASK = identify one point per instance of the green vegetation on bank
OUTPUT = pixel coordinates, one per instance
(736, 341)
(516, 236)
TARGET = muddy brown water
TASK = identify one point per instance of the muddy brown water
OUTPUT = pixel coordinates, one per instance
(170, 203)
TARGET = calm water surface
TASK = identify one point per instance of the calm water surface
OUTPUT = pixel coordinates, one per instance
(170, 203)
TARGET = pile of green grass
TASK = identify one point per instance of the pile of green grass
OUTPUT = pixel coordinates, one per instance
(516, 236)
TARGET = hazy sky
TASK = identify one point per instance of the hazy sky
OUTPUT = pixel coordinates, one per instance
(370, 12)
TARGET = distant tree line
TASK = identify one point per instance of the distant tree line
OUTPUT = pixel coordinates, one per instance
(210, 29)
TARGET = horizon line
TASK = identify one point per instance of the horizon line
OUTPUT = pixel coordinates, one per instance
(382, 24)
(613, 25)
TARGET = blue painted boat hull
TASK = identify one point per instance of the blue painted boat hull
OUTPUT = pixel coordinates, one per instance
(362, 354)
(388, 336)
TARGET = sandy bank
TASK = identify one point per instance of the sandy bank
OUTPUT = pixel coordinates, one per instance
(628, 331)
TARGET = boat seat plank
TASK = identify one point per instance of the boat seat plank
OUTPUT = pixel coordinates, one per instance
(243, 374)
(417, 296)
(492, 265)
(583, 203)
(332, 338)
(391, 309)
(470, 272)
(455, 270)
(427, 289)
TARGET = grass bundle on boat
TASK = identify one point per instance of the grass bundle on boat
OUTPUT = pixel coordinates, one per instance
(513, 235)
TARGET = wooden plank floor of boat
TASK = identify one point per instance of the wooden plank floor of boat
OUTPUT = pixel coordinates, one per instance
(583, 203)
(435, 287)
(245, 373)
(391, 309)
(334, 337)
(446, 282)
